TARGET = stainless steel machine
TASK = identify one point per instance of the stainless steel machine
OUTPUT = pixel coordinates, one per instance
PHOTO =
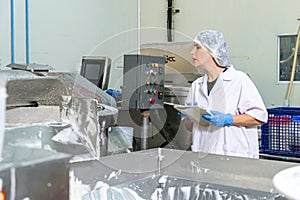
(31, 173)
(59, 99)
(179, 74)
(53, 119)
(164, 129)
(176, 174)
(143, 90)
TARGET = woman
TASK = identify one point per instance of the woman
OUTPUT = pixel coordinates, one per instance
(232, 97)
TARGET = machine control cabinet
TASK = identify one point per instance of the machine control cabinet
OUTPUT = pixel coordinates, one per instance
(143, 81)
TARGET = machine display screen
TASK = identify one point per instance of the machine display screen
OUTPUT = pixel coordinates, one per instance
(92, 71)
(96, 70)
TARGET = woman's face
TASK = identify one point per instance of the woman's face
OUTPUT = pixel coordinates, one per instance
(201, 57)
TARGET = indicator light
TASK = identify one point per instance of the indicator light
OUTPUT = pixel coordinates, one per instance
(152, 100)
(2, 195)
(160, 95)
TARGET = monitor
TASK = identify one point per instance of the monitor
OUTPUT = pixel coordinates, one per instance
(96, 69)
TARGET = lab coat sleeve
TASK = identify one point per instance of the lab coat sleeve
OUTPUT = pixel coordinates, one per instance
(251, 101)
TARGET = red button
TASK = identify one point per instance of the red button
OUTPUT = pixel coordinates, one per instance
(2, 195)
(152, 100)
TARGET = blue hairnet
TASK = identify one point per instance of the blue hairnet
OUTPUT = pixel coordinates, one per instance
(215, 43)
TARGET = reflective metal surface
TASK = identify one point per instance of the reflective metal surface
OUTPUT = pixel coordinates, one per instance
(34, 174)
(59, 99)
(30, 89)
(176, 188)
(34, 92)
(30, 67)
(48, 116)
(177, 174)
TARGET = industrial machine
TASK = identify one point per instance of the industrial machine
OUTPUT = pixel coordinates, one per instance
(53, 119)
(161, 126)
(63, 100)
(143, 81)
(176, 174)
(31, 173)
(143, 91)
(179, 74)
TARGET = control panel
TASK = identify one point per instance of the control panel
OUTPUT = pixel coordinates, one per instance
(143, 81)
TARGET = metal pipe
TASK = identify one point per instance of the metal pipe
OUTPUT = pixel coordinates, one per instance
(12, 28)
(27, 30)
(169, 21)
(144, 130)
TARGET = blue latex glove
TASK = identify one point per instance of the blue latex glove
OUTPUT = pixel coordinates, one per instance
(194, 104)
(182, 116)
(219, 119)
(114, 93)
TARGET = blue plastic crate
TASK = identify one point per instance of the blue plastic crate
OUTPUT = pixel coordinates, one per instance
(281, 134)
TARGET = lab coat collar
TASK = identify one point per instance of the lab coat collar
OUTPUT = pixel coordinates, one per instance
(228, 75)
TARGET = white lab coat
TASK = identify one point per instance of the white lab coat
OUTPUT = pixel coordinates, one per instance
(234, 93)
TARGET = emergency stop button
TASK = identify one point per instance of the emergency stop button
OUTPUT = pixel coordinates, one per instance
(152, 100)
(2, 195)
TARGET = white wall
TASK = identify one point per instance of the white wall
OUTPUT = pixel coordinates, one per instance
(250, 28)
(61, 31)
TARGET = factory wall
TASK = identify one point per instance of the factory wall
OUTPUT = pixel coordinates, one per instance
(62, 31)
(250, 27)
